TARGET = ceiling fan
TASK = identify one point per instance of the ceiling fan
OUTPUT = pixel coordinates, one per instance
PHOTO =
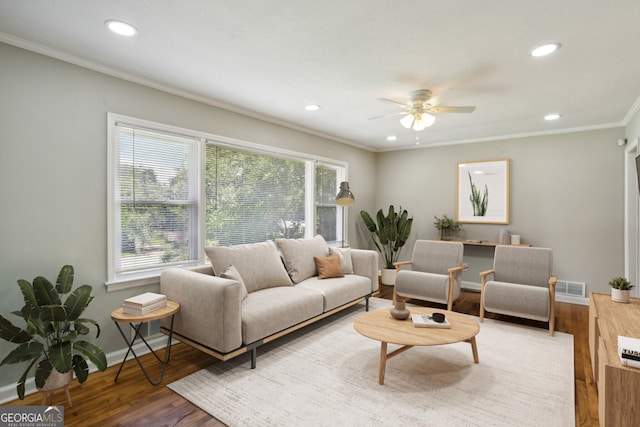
(418, 110)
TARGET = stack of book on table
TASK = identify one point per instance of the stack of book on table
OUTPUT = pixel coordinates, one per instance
(426, 321)
(629, 351)
(144, 303)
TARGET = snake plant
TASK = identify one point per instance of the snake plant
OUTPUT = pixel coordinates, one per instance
(479, 204)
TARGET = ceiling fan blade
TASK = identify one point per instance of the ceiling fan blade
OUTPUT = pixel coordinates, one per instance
(403, 104)
(436, 110)
(401, 113)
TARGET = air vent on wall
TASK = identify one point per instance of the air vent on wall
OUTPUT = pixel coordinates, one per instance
(574, 289)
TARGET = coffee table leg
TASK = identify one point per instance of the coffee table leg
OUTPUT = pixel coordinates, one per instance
(474, 349)
(383, 362)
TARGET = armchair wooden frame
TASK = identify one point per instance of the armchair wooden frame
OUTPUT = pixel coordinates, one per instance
(552, 298)
(452, 279)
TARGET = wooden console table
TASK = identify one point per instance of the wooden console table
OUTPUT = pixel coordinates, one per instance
(618, 385)
(486, 243)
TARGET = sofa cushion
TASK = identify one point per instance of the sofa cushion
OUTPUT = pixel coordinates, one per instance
(528, 301)
(338, 291)
(272, 310)
(298, 254)
(233, 274)
(328, 267)
(420, 285)
(345, 259)
(258, 263)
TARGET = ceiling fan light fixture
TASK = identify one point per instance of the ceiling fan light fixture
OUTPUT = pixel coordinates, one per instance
(417, 121)
(407, 121)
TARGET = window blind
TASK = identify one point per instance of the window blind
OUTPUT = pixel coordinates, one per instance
(156, 197)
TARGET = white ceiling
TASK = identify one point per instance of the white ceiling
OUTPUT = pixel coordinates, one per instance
(270, 58)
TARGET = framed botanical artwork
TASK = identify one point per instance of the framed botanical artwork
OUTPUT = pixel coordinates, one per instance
(483, 192)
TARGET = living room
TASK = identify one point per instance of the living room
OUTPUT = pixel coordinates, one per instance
(567, 186)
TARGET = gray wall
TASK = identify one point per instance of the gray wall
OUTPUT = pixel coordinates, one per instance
(566, 189)
(566, 194)
(53, 171)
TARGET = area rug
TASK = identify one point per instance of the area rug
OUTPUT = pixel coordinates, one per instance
(327, 375)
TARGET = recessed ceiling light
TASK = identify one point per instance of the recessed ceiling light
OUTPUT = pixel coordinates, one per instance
(121, 28)
(312, 107)
(545, 49)
(553, 116)
(392, 138)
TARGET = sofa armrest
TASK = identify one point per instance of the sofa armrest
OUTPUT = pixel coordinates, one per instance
(210, 308)
(365, 263)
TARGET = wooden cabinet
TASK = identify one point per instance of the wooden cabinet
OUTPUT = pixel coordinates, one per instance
(618, 385)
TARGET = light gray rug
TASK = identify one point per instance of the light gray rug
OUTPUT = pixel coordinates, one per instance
(327, 375)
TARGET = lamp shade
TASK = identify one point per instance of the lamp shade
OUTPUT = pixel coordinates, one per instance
(345, 196)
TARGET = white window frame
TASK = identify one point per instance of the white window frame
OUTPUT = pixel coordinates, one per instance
(151, 276)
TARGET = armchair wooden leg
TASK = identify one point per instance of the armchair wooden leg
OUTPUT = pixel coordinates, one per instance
(395, 296)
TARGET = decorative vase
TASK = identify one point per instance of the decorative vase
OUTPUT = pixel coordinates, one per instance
(399, 311)
(446, 234)
(388, 276)
(620, 295)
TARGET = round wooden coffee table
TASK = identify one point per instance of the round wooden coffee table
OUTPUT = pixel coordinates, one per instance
(380, 326)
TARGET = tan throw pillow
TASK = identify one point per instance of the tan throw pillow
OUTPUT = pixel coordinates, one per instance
(328, 267)
(233, 274)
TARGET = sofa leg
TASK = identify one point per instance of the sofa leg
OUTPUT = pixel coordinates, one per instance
(366, 303)
(254, 354)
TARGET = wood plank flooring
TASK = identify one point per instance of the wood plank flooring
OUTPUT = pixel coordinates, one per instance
(133, 402)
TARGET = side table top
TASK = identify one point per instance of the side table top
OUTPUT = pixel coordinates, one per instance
(170, 309)
(380, 326)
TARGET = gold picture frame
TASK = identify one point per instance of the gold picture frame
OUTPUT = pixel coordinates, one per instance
(483, 192)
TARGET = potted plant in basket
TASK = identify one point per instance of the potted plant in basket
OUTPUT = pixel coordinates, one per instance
(446, 226)
(620, 288)
(389, 234)
(51, 337)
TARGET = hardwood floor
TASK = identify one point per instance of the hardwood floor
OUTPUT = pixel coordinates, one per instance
(133, 402)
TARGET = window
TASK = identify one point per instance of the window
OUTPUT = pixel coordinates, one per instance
(173, 191)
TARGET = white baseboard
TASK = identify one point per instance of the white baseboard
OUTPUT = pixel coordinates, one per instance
(475, 286)
(8, 392)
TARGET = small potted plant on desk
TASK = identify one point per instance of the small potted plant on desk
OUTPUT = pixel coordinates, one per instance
(620, 288)
(51, 337)
(446, 226)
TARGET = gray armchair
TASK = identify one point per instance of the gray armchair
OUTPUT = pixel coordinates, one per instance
(522, 285)
(436, 268)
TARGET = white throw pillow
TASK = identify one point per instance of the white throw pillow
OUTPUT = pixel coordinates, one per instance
(258, 263)
(233, 274)
(297, 255)
(345, 258)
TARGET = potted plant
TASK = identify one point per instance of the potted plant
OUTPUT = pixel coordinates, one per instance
(389, 233)
(51, 337)
(620, 288)
(447, 227)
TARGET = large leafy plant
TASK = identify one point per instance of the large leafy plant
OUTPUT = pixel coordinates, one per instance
(389, 232)
(50, 338)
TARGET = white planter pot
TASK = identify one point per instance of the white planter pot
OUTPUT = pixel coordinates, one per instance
(619, 295)
(389, 276)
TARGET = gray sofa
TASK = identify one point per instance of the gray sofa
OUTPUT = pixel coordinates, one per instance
(255, 293)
